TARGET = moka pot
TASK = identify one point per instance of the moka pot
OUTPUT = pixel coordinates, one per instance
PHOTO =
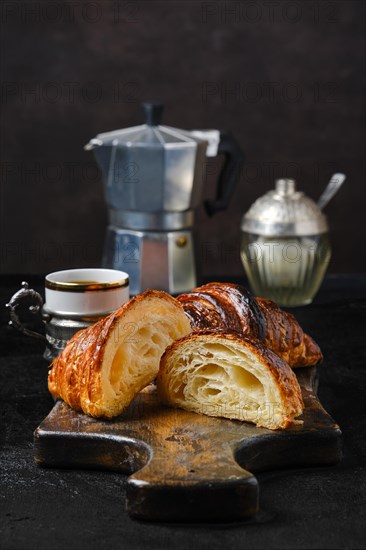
(153, 180)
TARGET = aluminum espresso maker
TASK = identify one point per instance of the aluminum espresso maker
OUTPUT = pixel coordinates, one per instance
(153, 177)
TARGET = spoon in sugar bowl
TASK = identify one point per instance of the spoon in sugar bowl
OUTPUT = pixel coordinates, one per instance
(334, 184)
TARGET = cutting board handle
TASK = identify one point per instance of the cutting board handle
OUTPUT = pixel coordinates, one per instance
(186, 478)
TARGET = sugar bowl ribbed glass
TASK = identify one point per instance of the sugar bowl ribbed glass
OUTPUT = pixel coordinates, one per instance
(285, 246)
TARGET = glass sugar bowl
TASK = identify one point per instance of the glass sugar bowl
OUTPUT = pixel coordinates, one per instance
(285, 247)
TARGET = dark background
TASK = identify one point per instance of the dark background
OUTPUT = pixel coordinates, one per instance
(285, 77)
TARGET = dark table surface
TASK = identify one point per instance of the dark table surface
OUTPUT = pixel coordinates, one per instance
(317, 507)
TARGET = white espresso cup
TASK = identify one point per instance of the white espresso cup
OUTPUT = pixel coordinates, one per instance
(91, 291)
(75, 299)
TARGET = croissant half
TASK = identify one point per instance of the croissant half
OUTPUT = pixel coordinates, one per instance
(228, 306)
(227, 375)
(103, 367)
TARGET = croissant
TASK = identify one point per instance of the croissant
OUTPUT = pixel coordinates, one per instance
(104, 366)
(224, 374)
(229, 306)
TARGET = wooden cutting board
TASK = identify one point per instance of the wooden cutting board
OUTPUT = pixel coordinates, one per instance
(184, 466)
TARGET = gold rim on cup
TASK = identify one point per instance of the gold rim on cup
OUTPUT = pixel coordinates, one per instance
(75, 286)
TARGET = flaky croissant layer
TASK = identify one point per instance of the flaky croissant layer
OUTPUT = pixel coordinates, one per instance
(103, 367)
(226, 375)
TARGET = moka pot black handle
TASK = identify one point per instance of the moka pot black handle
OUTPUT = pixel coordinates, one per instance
(229, 176)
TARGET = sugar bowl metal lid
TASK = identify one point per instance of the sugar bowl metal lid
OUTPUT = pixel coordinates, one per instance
(284, 211)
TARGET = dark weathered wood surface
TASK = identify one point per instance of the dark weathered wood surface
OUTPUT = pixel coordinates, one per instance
(184, 466)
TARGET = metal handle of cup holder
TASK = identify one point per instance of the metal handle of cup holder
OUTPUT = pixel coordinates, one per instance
(25, 293)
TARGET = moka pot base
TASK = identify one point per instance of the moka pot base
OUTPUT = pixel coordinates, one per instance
(163, 260)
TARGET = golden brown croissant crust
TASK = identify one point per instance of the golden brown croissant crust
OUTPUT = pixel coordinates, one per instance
(229, 306)
(220, 373)
(104, 366)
